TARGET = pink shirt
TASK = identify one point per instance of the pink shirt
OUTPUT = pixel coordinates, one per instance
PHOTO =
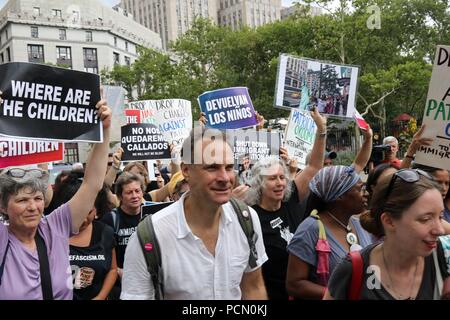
(21, 275)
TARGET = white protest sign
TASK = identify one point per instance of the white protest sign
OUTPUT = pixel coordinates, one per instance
(172, 116)
(437, 114)
(299, 136)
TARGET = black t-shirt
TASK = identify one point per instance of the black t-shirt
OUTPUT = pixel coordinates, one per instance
(124, 226)
(340, 279)
(278, 228)
(91, 264)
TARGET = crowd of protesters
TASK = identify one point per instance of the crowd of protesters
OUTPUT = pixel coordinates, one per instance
(305, 226)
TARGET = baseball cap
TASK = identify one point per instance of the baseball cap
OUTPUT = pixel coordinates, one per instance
(330, 155)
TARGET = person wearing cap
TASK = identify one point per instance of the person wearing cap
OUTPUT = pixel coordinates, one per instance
(331, 231)
(328, 159)
(34, 250)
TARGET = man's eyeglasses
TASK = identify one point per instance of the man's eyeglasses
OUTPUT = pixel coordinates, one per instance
(407, 175)
(20, 173)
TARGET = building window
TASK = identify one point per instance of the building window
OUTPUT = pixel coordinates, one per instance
(62, 34)
(116, 58)
(71, 152)
(34, 32)
(126, 45)
(37, 11)
(88, 36)
(2, 58)
(64, 56)
(127, 61)
(35, 53)
(6, 34)
(8, 54)
(115, 41)
(90, 60)
(63, 53)
(56, 13)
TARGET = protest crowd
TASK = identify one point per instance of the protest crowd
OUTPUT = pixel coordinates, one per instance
(231, 211)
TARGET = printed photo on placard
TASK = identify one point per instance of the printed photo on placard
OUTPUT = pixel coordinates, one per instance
(303, 83)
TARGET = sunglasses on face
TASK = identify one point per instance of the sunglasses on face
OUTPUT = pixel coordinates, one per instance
(406, 175)
(20, 173)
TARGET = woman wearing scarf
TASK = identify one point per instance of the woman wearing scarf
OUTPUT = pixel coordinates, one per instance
(331, 231)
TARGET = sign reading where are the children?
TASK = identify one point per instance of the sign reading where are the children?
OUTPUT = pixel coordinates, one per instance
(437, 114)
(299, 136)
(229, 108)
(143, 142)
(44, 102)
(19, 152)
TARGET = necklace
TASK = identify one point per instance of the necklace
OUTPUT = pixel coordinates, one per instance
(351, 238)
(391, 286)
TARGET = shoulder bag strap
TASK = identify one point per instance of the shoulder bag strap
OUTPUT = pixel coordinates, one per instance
(245, 220)
(152, 254)
(357, 275)
(44, 268)
(2, 266)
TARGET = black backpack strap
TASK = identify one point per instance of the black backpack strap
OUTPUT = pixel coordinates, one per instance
(44, 267)
(152, 254)
(116, 220)
(245, 220)
(2, 266)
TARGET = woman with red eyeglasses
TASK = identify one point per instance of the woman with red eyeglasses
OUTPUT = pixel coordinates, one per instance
(406, 211)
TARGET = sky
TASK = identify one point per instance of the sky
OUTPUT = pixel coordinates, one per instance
(111, 3)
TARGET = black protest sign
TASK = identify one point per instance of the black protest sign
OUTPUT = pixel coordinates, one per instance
(46, 102)
(253, 144)
(143, 141)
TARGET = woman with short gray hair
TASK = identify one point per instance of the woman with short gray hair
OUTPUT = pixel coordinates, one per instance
(34, 250)
(278, 201)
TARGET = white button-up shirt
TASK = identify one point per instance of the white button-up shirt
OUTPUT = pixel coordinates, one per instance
(190, 270)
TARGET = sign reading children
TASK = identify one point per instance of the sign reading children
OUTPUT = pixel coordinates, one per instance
(229, 108)
(143, 142)
(437, 114)
(18, 152)
(50, 103)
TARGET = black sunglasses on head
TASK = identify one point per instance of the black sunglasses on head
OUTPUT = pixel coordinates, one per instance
(407, 175)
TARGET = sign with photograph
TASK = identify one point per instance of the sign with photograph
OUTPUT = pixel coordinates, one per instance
(303, 83)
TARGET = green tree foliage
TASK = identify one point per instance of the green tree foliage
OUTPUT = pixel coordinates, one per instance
(395, 59)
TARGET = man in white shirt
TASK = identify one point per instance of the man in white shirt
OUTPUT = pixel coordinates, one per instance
(205, 253)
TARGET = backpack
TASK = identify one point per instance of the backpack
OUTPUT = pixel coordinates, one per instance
(152, 252)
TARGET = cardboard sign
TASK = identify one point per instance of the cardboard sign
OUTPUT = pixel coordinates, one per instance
(229, 108)
(15, 152)
(49, 103)
(143, 142)
(437, 114)
(303, 83)
(299, 136)
(172, 116)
